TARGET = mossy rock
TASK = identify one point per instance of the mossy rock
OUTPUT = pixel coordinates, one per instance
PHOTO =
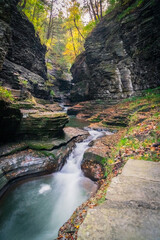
(89, 156)
(23, 105)
(36, 145)
(93, 166)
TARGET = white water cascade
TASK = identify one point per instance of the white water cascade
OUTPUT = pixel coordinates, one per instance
(69, 180)
(37, 209)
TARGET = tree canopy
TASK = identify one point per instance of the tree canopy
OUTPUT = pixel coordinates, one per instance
(63, 25)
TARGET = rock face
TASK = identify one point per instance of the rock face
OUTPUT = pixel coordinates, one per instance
(19, 78)
(10, 120)
(25, 120)
(42, 125)
(131, 209)
(25, 48)
(5, 31)
(122, 54)
(22, 57)
(23, 70)
(29, 158)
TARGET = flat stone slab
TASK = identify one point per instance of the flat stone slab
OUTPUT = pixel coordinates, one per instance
(132, 207)
(142, 169)
(139, 181)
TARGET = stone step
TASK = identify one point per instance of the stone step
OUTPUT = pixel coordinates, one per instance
(132, 207)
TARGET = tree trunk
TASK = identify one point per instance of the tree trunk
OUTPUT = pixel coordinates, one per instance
(34, 10)
(73, 42)
(90, 13)
(101, 8)
(97, 10)
(50, 21)
(78, 28)
(92, 7)
(24, 4)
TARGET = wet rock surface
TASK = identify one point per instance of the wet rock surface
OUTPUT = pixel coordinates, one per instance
(10, 120)
(88, 108)
(121, 55)
(42, 125)
(92, 166)
(25, 120)
(131, 209)
(36, 157)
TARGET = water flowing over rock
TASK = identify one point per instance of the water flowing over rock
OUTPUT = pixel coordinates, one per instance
(121, 55)
(38, 157)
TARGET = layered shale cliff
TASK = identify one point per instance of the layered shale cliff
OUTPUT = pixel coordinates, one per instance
(26, 125)
(23, 71)
(122, 54)
(22, 57)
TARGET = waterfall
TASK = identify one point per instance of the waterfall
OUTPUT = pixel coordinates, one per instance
(35, 210)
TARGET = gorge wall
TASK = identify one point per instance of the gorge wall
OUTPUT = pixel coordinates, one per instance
(23, 71)
(22, 57)
(28, 121)
(122, 54)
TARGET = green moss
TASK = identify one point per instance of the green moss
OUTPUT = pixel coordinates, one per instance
(49, 83)
(131, 9)
(130, 142)
(49, 66)
(15, 149)
(108, 170)
(6, 95)
(52, 93)
(99, 101)
(100, 201)
(23, 82)
(40, 145)
(89, 156)
(97, 119)
(48, 154)
(23, 105)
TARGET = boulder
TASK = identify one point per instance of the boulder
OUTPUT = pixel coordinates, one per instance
(93, 166)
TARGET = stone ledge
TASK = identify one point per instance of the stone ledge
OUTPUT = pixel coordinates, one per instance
(131, 209)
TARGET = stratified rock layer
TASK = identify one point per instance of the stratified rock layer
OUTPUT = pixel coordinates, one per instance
(10, 120)
(27, 158)
(42, 125)
(22, 56)
(30, 123)
(131, 209)
(122, 54)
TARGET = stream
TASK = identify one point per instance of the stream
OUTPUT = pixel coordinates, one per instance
(36, 209)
